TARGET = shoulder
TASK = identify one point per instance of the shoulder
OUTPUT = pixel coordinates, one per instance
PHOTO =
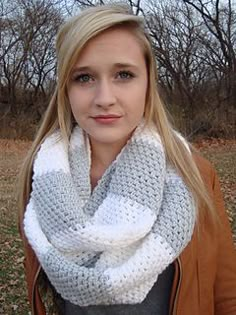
(206, 169)
(212, 184)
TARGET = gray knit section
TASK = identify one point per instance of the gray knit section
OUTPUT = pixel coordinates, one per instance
(51, 192)
(78, 171)
(177, 198)
(70, 280)
(145, 181)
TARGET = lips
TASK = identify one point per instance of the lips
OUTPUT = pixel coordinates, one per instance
(106, 119)
(107, 116)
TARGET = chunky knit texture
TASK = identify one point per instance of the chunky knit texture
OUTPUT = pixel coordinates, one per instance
(107, 246)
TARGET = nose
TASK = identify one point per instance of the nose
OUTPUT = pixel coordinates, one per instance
(104, 96)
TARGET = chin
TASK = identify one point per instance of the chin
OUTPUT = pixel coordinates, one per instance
(110, 139)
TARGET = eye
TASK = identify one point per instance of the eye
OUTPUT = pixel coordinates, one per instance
(125, 75)
(83, 78)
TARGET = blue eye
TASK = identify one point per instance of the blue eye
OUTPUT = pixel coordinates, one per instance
(83, 78)
(125, 75)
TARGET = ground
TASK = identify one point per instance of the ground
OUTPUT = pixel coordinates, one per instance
(13, 298)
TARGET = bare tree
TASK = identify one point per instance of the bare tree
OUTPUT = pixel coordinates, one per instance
(136, 6)
(219, 20)
(174, 32)
(194, 43)
(29, 62)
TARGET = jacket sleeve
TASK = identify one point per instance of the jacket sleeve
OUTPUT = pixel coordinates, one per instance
(32, 268)
(225, 282)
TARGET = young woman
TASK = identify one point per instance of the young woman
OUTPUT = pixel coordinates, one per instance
(118, 213)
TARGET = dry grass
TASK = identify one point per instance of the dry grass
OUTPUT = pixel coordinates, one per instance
(13, 298)
(12, 289)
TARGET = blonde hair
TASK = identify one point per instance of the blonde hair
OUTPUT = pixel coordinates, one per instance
(71, 39)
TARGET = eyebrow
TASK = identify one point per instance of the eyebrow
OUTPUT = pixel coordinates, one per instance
(118, 65)
(125, 65)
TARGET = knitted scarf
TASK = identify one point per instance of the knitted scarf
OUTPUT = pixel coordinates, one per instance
(107, 246)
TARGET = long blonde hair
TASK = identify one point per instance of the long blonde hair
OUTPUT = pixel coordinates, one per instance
(71, 39)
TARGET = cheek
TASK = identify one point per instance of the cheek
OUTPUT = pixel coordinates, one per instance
(77, 101)
(139, 97)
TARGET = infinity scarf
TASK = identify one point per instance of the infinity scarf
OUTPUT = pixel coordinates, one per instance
(107, 246)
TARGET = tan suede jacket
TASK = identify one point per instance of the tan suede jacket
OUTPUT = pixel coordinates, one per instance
(205, 272)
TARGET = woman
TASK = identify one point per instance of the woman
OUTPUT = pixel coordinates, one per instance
(118, 213)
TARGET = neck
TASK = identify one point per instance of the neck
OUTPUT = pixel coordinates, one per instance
(102, 156)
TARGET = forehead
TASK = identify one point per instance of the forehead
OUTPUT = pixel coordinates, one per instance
(117, 44)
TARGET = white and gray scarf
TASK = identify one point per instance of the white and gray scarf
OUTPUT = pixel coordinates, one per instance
(107, 246)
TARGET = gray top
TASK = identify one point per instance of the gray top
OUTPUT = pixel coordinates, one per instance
(156, 302)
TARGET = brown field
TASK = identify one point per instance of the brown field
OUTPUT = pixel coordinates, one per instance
(12, 284)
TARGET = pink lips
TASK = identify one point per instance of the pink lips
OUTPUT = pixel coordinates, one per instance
(106, 119)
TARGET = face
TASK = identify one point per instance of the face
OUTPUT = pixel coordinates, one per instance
(108, 85)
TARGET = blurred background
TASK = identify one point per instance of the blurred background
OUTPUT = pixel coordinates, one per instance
(195, 48)
(194, 44)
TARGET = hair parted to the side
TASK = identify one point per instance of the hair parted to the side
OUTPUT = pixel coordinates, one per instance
(71, 39)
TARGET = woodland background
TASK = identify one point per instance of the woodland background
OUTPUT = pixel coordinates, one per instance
(195, 47)
(194, 43)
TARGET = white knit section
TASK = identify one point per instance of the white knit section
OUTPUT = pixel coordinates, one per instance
(77, 138)
(33, 231)
(124, 211)
(150, 136)
(125, 224)
(136, 296)
(52, 156)
(116, 257)
(150, 259)
(173, 176)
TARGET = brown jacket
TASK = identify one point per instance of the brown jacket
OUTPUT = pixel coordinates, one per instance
(205, 272)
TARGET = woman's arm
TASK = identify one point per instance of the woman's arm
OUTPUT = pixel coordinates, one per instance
(32, 268)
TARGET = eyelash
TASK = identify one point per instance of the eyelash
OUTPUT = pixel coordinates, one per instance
(79, 78)
(129, 73)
